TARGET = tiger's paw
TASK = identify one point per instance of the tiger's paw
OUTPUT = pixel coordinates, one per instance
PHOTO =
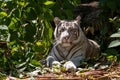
(69, 66)
(56, 63)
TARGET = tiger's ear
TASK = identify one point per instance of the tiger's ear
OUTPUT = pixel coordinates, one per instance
(78, 18)
(56, 20)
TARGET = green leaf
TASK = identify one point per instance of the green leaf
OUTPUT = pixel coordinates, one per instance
(111, 20)
(2, 4)
(12, 24)
(3, 27)
(49, 3)
(48, 14)
(6, 21)
(22, 69)
(22, 3)
(3, 14)
(111, 57)
(114, 43)
(38, 48)
(17, 13)
(49, 29)
(115, 34)
(21, 65)
(5, 60)
(35, 63)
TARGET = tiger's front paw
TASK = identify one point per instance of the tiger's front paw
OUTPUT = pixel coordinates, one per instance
(69, 66)
(56, 63)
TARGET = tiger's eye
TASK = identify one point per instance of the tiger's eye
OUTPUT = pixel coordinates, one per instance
(74, 31)
(62, 30)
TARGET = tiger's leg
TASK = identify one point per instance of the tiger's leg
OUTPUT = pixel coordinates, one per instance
(73, 63)
(50, 60)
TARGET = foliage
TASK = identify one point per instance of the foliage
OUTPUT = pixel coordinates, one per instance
(26, 31)
(116, 23)
(116, 42)
(110, 28)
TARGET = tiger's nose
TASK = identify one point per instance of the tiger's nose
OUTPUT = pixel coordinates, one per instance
(66, 37)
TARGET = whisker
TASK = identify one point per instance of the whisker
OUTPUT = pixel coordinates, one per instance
(56, 42)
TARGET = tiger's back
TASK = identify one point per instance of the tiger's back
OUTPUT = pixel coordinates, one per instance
(93, 49)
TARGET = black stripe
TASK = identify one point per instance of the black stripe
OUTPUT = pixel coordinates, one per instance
(57, 28)
(60, 53)
(71, 50)
(74, 53)
(76, 47)
(78, 29)
(92, 48)
(56, 55)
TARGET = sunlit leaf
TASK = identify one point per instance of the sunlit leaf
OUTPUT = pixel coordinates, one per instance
(3, 27)
(114, 43)
(14, 49)
(115, 35)
(38, 43)
(49, 29)
(21, 65)
(111, 57)
(12, 23)
(7, 0)
(5, 59)
(3, 14)
(110, 19)
(49, 3)
(22, 3)
(35, 63)
(22, 69)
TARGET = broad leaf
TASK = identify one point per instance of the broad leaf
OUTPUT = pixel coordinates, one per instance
(21, 65)
(3, 27)
(35, 63)
(49, 3)
(114, 43)
(115, 35)
(3, 14)
(22, 69)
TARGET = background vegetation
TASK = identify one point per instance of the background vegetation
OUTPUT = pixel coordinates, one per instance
(26, 31)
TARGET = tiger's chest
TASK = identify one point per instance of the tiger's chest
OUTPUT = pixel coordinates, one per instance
(69, 53)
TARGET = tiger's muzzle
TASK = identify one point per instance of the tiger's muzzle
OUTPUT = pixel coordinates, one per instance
(65, 39)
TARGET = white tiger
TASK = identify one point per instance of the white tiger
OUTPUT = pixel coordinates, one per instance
(71, 44)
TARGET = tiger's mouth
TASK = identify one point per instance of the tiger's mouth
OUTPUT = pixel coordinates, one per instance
(67, 44)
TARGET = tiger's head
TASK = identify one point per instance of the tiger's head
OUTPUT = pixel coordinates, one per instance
(67, 33)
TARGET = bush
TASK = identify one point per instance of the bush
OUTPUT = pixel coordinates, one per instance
(26, 32)
(110, 27)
